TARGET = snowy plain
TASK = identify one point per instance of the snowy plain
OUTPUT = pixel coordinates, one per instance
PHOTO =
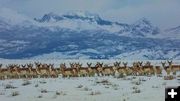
(87, 89)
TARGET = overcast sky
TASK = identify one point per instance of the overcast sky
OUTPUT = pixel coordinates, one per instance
(163, 13)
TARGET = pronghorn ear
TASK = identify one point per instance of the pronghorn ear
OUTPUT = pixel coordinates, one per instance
(119, 62)
(102, 63)
(114, 64)
(141, 62)
(170, 61)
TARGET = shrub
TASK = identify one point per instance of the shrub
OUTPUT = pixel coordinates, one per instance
(36, 85)
(26, 83)
(79, 86)
(87, 89)
(44, 91)
(58, 93)
(42, 82)
(9, 86)
(137, 91)
(40, 96)
(95, 93)
(15, 93)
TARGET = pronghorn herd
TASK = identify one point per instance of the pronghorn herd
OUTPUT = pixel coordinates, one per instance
(42, 70)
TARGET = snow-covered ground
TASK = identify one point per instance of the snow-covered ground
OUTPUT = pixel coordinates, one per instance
(108, 88)
(88, 89)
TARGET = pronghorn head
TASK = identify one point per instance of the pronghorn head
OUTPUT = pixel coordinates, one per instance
(38, 65)
(140, 63)
(148, 63)
(135, 64)
(23, 66)
(89, 64)
(71, 65)
(15, 67)
(30, 66)
(101, 64)
(169, 62)
(117, 64)
(98, 64)
(51, 66)
(125, 64)
(163, 64)
(78, 65)
(62, 65)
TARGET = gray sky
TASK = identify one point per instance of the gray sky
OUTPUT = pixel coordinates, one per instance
(163, 13)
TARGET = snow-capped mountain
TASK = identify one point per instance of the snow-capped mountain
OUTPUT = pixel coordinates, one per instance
(89, 21)
(82, 35)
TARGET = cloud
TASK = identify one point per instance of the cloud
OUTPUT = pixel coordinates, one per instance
(164, 13)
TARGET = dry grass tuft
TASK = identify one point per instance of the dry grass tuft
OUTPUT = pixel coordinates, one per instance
(104, 82)
(95, 93)
(137, 91)
(40, 96)
(9, 86)
(36, 85)
(87, 89)
(25, 83)
(15, 93)
(42, 82)
(44, 91)
(79, 86)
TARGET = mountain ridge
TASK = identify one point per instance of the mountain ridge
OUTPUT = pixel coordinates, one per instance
(84, 36)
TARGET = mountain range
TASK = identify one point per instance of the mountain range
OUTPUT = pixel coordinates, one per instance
(83, 35)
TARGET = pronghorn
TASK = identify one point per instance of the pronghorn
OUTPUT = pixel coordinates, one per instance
(174, 68)
(158, 70)
(43, 70)
(52, 71)
(33, 72)
(137, 69)
(5, 73)
(99, 67)
(92, 70)
(123, 69)
(120, 71)
(166, 68)
(168, 75)
(108, 70)
(116, 65)
(14, 70)
(23, 71)
(82, 71)
(148, 68)
(66, 72)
